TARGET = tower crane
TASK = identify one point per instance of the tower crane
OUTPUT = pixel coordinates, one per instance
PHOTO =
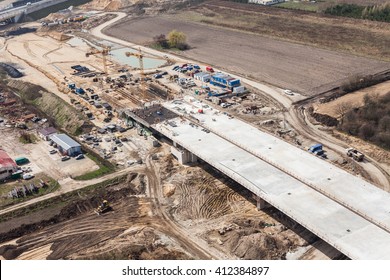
(140, 57)
(104, 52)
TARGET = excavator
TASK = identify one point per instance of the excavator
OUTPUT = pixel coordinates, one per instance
(103, 208)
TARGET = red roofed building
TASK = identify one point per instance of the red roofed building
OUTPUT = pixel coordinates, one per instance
(7, 165)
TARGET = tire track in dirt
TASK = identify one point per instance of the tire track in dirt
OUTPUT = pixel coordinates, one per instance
(175, 231)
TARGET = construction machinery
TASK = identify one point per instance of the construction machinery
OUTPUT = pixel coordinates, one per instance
(355, 154)
(104, 52)
(103, 208)
(140, 57)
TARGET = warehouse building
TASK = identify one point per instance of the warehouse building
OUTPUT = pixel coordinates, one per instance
(46, 132)
(66, 145)
(7, 165)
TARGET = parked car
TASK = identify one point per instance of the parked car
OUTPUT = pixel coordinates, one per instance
(65, 158)
(80, 156)
(52, 152)
(27, 176)
(157, 76)
(288, 92)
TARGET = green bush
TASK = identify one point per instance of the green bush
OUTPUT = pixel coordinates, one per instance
(370, 122)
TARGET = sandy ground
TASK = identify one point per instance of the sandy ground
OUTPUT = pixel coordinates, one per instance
(288, 65)
(351, 100)
(46, 61)
(145, 224)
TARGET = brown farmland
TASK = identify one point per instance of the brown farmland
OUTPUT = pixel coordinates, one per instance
(285, 64)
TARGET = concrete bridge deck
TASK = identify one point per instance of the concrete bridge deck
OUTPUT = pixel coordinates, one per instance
(17, 12)
(347, 212)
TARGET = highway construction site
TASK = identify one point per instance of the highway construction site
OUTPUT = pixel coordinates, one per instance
(162, 202)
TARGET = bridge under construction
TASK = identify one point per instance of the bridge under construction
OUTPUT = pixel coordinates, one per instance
(17, 13)
(347, 212)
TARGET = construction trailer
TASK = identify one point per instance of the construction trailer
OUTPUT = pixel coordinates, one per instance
(203, 77)
(266, 2)
(224, 81)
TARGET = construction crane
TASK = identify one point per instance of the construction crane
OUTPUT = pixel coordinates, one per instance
(140, 57)
(104, 52)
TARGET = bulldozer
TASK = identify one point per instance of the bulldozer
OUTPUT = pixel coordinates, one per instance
(103, 208)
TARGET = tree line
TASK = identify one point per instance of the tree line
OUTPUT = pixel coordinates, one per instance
(379, 12)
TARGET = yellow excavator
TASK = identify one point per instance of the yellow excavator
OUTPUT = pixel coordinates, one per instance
(103, 208)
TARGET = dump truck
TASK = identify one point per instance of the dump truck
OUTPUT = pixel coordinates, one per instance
(355, 154)
(103, 208)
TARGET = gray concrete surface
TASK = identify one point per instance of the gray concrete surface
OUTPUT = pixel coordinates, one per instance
(345, 211)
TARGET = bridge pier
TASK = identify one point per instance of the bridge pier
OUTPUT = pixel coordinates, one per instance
(182, 155)
(19, 17)
(261, 203)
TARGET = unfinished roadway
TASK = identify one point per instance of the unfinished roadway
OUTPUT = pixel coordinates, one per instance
(349, 213)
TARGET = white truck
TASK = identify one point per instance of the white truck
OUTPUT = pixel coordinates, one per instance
(355, 154)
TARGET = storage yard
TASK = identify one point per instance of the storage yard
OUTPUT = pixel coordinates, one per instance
(113, 150)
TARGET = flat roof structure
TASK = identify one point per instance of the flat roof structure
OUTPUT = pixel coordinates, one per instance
(64, 141)
(347, 212)
(150, 115)
(47, 131)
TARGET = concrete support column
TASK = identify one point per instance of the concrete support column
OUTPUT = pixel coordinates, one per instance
(19, 18)
(261, 203)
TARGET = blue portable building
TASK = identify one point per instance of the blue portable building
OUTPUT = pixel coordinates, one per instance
(224, 81)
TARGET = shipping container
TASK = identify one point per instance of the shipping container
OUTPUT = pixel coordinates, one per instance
(21, 160)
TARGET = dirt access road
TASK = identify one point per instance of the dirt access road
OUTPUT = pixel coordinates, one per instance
(130, 231)
(137, 224)
(68, 185)
(287, 65)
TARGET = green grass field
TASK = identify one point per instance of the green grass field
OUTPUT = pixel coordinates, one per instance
(52, 185)
(104, 169)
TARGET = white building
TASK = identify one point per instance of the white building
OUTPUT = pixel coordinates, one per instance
(266, 2)
(202, 76)
(66, 145)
